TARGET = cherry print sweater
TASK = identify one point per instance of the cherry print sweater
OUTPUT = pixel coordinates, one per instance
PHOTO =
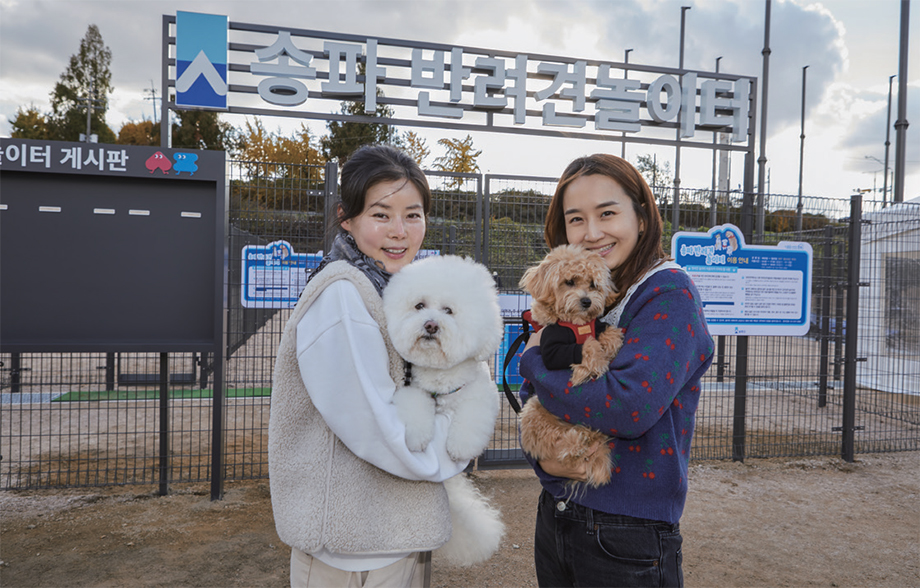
(646, 402)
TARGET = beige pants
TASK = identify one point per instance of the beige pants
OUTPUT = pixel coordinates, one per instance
(413, 571)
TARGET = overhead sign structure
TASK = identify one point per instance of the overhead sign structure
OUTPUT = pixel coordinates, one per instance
(745, 289)
(303, 73)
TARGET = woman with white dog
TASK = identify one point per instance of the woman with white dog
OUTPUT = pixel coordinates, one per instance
(357, 507)
(626, 532)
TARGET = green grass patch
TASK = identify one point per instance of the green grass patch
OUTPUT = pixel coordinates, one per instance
(154, 394)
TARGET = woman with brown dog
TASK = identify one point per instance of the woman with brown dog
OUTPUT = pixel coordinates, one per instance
(357, 507)
(625, 532)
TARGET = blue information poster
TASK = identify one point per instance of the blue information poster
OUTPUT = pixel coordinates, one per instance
(274, 276)
(747, 289)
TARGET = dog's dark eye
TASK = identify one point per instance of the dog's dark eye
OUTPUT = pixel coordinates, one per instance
(570, 282)
(593, 287)
(420, 306)
(448, 310)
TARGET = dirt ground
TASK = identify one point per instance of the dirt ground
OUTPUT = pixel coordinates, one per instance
(794, 522)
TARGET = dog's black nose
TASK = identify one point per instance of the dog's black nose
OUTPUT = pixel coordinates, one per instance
(431, 327)
(585, 302)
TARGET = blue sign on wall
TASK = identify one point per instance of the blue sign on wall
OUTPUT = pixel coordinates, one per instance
(746, 289)
(201, 60)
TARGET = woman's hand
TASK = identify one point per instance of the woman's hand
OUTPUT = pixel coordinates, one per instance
(577, 471)
(534, 340)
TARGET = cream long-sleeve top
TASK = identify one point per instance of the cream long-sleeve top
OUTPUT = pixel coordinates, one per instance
(344, 364)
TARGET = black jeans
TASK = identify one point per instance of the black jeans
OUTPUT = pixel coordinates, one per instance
(578, 546)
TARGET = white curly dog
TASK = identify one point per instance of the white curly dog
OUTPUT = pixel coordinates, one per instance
(443, 317)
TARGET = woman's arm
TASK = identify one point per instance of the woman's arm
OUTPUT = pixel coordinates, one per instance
(666, 345)
(345, 367)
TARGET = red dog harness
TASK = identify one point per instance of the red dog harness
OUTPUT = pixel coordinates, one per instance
(582, 332)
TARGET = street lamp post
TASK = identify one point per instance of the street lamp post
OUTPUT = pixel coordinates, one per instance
(887, 145)
(712, 192)
(675, 210)
(762, 160)
(625, 75)
(798, 208)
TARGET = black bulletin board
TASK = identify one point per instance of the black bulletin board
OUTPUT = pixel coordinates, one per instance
(123, 258)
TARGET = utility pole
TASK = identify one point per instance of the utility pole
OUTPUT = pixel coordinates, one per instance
(151, 94)
(90, 103)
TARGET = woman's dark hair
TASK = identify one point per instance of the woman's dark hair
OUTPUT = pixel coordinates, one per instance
(368, 166)
(648, 248)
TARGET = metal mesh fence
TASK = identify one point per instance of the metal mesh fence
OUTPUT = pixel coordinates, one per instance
(90, 419)
(73, 419)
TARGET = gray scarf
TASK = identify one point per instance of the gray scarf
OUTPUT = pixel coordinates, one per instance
(345, 248)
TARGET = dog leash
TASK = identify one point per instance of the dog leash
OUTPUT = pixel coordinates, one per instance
(526, 323)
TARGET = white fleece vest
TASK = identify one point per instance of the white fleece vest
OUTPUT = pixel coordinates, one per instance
(322, 494)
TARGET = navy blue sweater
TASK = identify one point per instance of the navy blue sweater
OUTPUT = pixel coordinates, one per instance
(646, 402)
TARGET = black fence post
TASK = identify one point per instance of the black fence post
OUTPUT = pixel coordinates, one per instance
(479, 235)
(164, 424)
(849, 375)
(739, 430)
(825, 314)
(486, 199)
(15, 373)
(109, 371)
(838, 311)
(330, 190)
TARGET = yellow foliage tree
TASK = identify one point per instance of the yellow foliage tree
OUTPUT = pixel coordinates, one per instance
(144, 132)
(415, 147)
(460, 158)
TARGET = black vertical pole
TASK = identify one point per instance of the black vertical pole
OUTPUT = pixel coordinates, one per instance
(164, 424)
(217, 427)
(849, 375)
(825, 313)
(838, 311)
(109, 372)
(221, 297)
(330, 189)
(739, 431)
(15, 373)
(901, 124)
(164, 87)
(479, 231)
(482, 193)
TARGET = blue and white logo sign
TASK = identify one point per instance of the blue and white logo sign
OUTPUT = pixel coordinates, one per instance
(201, 60)
(747, 289)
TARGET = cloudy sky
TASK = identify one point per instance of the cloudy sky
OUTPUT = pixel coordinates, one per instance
(850, 46)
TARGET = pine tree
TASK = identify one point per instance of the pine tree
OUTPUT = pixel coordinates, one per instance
(86, 83)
